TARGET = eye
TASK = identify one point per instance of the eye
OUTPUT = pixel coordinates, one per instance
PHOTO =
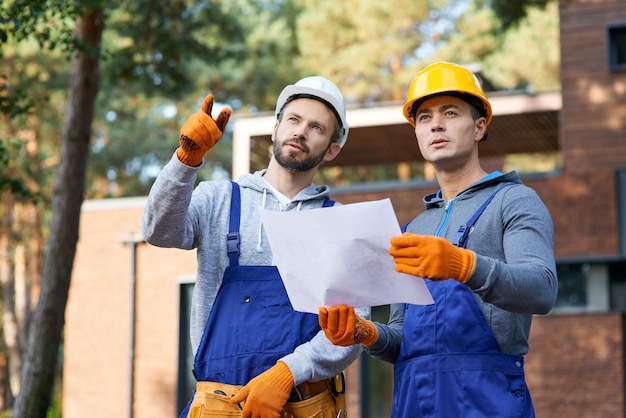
(422, 117)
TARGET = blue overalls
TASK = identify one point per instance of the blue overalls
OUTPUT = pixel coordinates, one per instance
(251, 324)
(450, 363)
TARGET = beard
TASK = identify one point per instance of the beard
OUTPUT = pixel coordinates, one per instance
(289, 160)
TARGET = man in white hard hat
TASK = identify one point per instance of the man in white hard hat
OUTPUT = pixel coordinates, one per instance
(253, 352)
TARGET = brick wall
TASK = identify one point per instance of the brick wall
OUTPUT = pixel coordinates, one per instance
(583, 209)
(96, 380)
(594, 97)
(575, 367)
(593, 129)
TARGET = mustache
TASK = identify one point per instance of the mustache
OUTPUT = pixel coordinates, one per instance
(299, 141)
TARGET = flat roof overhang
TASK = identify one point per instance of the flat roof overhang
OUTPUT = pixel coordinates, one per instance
(381, 135)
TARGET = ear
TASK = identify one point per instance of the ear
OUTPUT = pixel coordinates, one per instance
(480, 128)
(332, 152)
(274, 131)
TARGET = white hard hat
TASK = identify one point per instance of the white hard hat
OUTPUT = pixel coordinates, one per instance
(321, 89)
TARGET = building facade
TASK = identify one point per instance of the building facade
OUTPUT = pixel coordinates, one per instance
(126, 317)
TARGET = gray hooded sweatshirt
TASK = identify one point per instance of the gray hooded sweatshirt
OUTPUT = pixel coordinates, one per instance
(179, 216)
(515, 274)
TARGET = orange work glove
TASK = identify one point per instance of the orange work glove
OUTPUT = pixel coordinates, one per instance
(266, 394)
(201, 132)
(343, 327)
(432, 257)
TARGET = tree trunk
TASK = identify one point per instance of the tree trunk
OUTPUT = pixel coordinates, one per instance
(15, 344)
(9, 324)
(48, 319)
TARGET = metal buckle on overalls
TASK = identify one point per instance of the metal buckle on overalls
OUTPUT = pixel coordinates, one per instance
(461, 236)
(232, 242)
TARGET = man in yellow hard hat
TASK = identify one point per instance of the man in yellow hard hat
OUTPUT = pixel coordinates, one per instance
(484, 245)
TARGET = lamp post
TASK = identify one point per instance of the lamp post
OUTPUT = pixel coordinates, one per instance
(132, 241)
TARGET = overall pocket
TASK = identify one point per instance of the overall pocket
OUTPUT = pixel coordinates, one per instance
(321, 405)
(212, 400)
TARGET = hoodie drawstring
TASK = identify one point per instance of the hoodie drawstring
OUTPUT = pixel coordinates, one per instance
(259, 249)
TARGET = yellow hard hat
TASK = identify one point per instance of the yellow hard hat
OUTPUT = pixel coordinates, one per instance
(445, 77)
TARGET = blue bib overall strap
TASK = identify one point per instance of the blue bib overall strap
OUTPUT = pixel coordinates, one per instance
(252, 323)
(450, 363)
(460, 240)
(232, 239)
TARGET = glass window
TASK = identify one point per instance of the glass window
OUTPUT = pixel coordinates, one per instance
(186, 380)
(377, 378)
(617, 46)
(591, 287)
(572, 287)
(617, 272)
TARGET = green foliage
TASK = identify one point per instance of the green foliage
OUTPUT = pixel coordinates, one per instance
(523, 56)
(9, 179)
(510, 12)
(49, 22)
(364, 46)
(176, 48)
(16, 104)
(477, 34)
(167, 55)
(149, 43)
(245, 51)
(56, 408)
(529, 55)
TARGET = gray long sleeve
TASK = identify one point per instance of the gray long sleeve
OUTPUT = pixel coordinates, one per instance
(177, 215)
(515, 276)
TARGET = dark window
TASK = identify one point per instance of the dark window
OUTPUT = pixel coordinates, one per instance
(572, 286)
(617, 46)
(617, 272)
(376, 378)
(186, 381)
(579, 287)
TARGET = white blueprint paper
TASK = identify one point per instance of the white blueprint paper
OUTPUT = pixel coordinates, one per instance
(340, 255)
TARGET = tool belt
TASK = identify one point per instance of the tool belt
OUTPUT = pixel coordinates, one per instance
(323, 399)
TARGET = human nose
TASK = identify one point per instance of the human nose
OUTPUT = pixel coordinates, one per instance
(436, 124)
(300, 130)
